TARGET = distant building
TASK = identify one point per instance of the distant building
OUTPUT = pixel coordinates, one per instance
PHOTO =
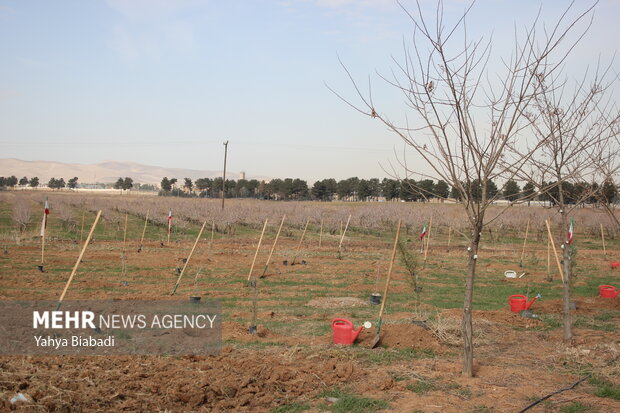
(242, 175)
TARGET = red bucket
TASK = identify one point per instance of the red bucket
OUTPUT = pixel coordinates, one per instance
(517, 303)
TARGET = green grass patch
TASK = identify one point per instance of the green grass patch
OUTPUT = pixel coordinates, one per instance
(594, 324)
(575, 407)
(481, 409)
(604, 388)
(607, 315)
(421, 387)
(251, 345)
(291, 408)
(349, 402)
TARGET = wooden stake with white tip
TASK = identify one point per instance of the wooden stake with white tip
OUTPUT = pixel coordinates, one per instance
(557, 259)
(301, 240)
(188, 258)
(77, 263)
(342, 237)
(257, 249)
(146, 220)
(273, 247)
(377, 338)
(527, 228)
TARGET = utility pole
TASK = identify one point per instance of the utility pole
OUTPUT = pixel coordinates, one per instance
(224, 175)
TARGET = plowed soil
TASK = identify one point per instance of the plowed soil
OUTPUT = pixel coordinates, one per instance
(292, 360)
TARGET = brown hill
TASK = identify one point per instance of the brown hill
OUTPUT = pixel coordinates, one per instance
(104, 172)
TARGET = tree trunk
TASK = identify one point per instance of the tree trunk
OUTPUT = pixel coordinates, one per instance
(568, 333)
(468, 342)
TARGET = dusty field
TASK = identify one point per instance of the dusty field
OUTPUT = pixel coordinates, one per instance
(291, 365)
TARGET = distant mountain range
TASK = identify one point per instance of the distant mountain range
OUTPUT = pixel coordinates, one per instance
(105, 172)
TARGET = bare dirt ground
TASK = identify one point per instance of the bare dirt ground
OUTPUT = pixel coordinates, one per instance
(292, 362)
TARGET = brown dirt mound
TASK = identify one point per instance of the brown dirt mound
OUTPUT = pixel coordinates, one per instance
(585, 305)
(503, 316)
(402, 336)
(240, 332)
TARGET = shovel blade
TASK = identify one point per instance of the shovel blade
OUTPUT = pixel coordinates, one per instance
(376, 340)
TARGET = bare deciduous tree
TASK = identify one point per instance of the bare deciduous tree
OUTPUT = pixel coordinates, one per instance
(66, 217)
(578, 126)
(465, 111)
(22, 214)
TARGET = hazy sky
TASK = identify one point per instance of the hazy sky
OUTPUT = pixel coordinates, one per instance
(165, 82)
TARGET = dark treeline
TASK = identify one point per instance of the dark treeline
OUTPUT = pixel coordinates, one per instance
(355, 189)
(581, 192)
(72, 183)
(351, 189)
(33, 182)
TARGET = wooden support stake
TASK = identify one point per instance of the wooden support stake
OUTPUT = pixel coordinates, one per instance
(301, 240)
(82, 229)
(146, 220)
(123, 256)
(428, 237)
(224, 174)
(392, 258)
(257, 249)
(548, 259)
(321, 234)
(449, 235)
(527, 228)
(42, 248)
(188, 258)
(77, 263)
(555, 252)
(125, 234)
(169, 228)
(603, 238)
(343, 234)
(212, 230)
(196, 281)
(273, 247)
(43, 225)
(385, 290)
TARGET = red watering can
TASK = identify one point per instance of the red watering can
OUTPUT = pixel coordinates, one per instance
(608, 291)
(344, 332)
(519, 302)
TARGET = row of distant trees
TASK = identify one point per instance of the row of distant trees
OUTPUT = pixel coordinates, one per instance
(125, 183)
(356, 189)
(34, 182)
(351, 189)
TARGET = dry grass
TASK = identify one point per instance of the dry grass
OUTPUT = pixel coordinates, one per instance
(366, 217)
(448, 330)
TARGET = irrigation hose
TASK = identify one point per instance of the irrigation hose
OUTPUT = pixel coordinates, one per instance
(575, 384)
